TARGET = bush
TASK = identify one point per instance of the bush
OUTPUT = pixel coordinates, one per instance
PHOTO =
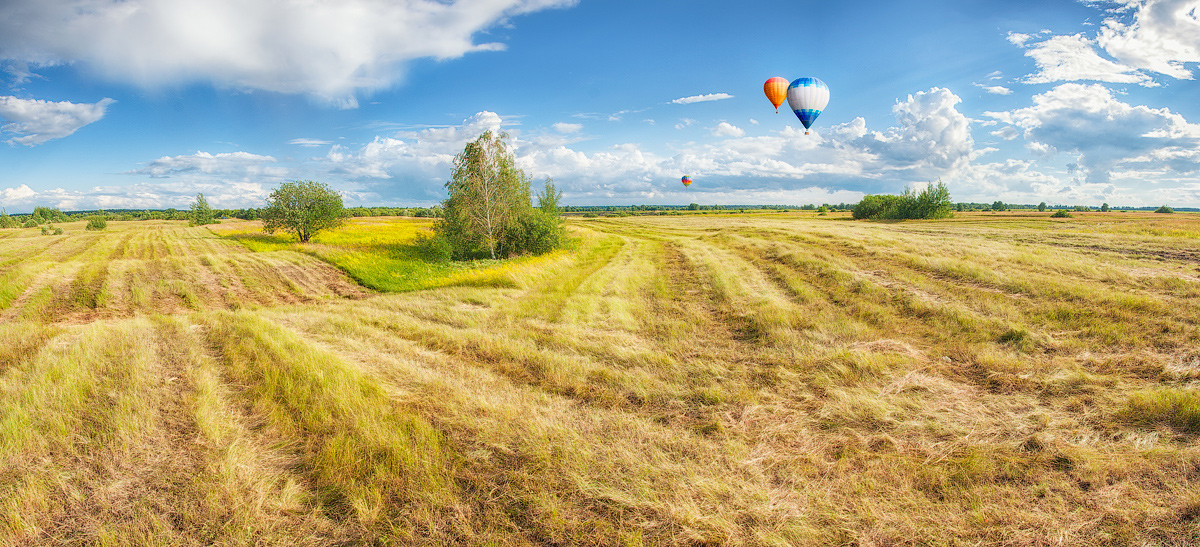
(536, 233)
(30, 224)
(7, 221)
(1061, 213)
(96, 224)
(1164, 209)
(931, 202)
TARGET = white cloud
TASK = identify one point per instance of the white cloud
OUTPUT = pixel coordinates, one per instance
(1108, 135)
(1163, 36)
(327, 49)
(1073, 58)
(35, 122)
(566, 128)
(995, 89)
(310, 143)
(1141, 37)
(702, 98)
(684, 122)
(932, 132)
(20, 194)
(177, 194)
(226, 166)
(726, 129)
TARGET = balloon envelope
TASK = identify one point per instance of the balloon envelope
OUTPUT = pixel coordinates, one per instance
(807, 97)
(686, 180)
(776, 91)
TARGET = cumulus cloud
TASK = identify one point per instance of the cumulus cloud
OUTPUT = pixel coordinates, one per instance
(1162, 37)
(702, 98)
(34, 121)
(1073, 58)
(726, 129)
(327, 49)
(931, 133)
(1141, 38)
(1108, 135)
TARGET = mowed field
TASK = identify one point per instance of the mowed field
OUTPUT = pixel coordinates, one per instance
(766, 379)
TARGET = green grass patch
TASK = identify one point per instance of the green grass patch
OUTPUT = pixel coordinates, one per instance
(1176, 407)
(384, 254)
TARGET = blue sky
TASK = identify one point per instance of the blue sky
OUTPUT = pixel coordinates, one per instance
(144, 103)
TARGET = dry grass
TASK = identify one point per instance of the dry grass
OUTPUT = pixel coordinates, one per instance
(780, 379)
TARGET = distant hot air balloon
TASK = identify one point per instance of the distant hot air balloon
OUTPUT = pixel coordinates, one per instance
(776, 90)
(687, 181)
(807, 97)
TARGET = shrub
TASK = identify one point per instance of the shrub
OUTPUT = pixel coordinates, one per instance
(931, 202)
(7, 221)
(30, 224)
(1061, 213)
(1164, 209)
(96, 224)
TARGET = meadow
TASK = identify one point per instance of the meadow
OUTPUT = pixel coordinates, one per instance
(758, 379)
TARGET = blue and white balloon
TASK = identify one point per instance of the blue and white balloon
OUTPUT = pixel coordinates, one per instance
(807, 97)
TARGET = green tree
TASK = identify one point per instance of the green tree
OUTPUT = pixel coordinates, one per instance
(7, 221)
(201, 213)
(488, 196)
(303, 208)
(1104, 208)
(1164, 209)
(693, 206)
(1042, 207)
(999, 206)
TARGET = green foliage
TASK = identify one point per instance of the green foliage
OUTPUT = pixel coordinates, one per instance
(7, 221)
(1082, 208)
(1164, 209)
(201, 213)
(1061, 213)
(693, 207)
(1042, 207)
(42, 215)
(96, 224)
(1104, 208)
(879, 206)
(303, 208)
(999, 206)
(931, 202)
(488, 212)
(30, 224)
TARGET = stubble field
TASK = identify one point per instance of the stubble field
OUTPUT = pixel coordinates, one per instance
(767, 379)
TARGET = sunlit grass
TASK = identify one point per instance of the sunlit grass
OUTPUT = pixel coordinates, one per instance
(382, 254)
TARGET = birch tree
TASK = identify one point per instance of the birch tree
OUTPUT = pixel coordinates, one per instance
(488, 195)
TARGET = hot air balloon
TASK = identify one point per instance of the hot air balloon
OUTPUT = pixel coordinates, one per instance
(807, 97)
(687, 181)
(776, 90)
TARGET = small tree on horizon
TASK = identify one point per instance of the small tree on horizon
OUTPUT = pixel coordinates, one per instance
(1164, 209)
(1042, 207)
(201, 213)
(303, 207)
